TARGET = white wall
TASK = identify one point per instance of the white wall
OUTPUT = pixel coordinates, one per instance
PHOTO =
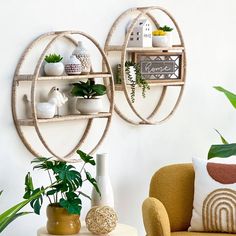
(135, 152)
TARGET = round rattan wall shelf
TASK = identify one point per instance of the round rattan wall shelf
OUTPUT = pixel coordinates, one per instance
(126, 51)
(36, 78)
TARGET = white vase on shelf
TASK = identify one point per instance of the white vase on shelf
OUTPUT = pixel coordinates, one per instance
(103, 182)
(83, 56)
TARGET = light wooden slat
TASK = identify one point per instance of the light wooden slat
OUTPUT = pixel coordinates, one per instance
(119, 87)
(141, 49)
(29, 122)
(29, 77)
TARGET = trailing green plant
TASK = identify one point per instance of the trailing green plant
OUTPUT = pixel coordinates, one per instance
(140, 81)
(225, 149)
(53, 58)
(166, 28)
(88, 89)
(65, 183)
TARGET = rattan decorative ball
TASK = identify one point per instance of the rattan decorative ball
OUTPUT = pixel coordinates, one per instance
(101, 220)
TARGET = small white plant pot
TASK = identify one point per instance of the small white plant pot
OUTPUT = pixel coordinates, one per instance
(132, 78)
(89, 105)
(45, 110)
(54, 69)
(170, 41)
(160, 41)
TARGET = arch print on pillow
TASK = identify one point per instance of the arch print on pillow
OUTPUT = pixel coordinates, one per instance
(214, 205)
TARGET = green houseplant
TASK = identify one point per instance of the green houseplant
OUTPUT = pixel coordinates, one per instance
(162, 37)
(63, 192)
(89, 95)
(134, 77)
(225, 149)
(53, 65)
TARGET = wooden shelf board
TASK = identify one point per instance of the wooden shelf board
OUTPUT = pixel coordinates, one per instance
(29, 77)
(29, 122)
(142, 49)
(119, 87)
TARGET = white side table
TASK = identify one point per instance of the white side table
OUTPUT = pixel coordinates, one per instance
(121, 230)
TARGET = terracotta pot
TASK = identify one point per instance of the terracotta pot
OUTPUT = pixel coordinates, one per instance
(60, 222)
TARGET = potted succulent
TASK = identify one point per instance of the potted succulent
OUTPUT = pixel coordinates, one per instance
(133, 77)
(168, 30)
(53, 65)
(160, 38)
(63, 192)
(89, 95)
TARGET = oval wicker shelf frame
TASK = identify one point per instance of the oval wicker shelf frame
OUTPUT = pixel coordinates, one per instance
(144, 12)
(34, 80)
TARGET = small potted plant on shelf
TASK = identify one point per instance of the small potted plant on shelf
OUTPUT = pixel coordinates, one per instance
(63, 192)
(53, 65)
(89, 96)
(133, 77)
(160, 38)
(168, 30)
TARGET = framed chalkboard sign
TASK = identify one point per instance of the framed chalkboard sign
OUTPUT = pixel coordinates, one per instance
(161, 67)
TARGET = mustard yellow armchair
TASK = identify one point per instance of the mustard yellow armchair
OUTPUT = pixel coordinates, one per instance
(168, 209)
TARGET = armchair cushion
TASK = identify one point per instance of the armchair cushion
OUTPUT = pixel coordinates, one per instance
(214, 205)
(155, 218)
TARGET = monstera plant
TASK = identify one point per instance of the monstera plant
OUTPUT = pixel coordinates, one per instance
(15, 211)
(63, 191)
(225, 149)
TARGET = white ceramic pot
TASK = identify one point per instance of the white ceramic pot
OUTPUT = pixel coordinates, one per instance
(45, 110)
(54, 69)
(170, 42)
(160, 41)
(73, 66)
(103, 182)
(89, 105)
(132, 74)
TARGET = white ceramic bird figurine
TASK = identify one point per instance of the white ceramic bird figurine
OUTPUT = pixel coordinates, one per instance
(44, 110)
(57, 98)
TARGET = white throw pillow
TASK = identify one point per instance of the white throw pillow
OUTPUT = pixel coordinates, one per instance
(214, 205)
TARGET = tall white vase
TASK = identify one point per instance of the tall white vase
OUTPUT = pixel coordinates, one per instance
(103, 182)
